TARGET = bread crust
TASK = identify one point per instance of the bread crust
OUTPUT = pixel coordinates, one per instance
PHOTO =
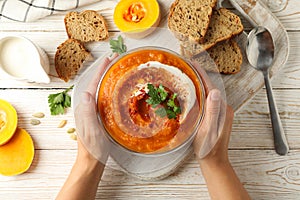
(222, 12)
(184, 36)
(68, 21)
(211, 38)
(68, 60)
(227, 56)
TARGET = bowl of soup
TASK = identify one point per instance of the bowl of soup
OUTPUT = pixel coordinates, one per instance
(150, 103)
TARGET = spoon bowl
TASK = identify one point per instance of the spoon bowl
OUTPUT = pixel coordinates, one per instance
(260, 54)
(260, 48)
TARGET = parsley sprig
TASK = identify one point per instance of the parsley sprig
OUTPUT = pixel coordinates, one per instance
(59, 101)
(158, 95)
(118, 45)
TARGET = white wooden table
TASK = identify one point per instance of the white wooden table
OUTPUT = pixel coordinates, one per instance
(264, 174)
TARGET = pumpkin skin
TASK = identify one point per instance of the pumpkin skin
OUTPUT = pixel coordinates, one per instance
(137, 18)
(16, 155)
(8, 121)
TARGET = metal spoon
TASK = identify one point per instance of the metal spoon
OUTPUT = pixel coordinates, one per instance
(260, 54)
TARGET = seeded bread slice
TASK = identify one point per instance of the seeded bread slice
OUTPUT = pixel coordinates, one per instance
(223, 26)
(86, 26)
(189, 19)
(69, 58)
(227, 56)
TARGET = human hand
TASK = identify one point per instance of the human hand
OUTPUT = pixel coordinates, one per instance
(92, 143)
(211, 147)
(211, 141)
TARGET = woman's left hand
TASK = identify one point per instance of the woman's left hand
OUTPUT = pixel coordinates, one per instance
(92, 143)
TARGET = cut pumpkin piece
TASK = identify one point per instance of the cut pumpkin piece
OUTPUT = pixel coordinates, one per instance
(8, 121)
(16, 155)
(137, 18)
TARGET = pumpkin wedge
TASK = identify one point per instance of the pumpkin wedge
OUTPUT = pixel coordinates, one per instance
(17, 154)
(8, 121)
(137, 18)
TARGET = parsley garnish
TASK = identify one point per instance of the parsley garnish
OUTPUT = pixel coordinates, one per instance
(58, 102)
(161, 96)
(118, 45)
(154, 98)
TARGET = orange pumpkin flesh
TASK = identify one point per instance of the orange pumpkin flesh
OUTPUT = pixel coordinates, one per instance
(16, 155)
(137, 18)
(8, 121)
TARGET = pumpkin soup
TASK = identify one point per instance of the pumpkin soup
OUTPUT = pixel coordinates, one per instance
(149, 100)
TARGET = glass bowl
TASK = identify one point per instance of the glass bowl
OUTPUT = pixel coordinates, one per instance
(146, 140)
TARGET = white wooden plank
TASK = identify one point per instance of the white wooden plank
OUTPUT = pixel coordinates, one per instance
(45, 135)
(251, 127)
(289, 16)
(288, 77)
(264, 174)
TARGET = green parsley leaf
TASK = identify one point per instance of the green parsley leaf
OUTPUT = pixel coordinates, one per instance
(57, 98)
(177, 110)
(154, 98)
(162, 92)
(171, 102)
(171, 114)
(67, 102)
(160, 96)
(118, 45)
(59, 101)
(161, 112)
(172, 106)
(57, 109)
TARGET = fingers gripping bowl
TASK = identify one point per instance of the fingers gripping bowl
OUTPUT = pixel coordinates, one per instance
(150, 103)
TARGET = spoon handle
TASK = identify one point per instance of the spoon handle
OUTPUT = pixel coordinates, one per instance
(280, 142)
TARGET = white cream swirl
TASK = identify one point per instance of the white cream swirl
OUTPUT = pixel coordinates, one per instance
(183, 85)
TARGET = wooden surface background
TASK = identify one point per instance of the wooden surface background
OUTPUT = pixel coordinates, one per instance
(264, 174)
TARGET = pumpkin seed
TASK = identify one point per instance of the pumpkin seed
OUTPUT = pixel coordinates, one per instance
(62, 123)
(73, 136)
(35, 122)
(71, 130)
(38, 115)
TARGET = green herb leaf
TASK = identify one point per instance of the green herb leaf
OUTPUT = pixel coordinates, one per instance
(160, 96)
(57, 98)
(162, 92)
(59, 101)
(67, 102)
(177, 110)
(171, 102)
(172, 105)
(57, 109)
(161, 112)
(154, 98)
(171, 114)
(118, 45)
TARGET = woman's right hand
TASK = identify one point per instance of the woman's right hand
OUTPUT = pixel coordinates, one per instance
(211, 142)
(211, 147)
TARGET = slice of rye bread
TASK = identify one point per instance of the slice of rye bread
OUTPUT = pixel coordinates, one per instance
(69, 58)
(223, 26)
(227, 56)
(189, 19)
(86, 26)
